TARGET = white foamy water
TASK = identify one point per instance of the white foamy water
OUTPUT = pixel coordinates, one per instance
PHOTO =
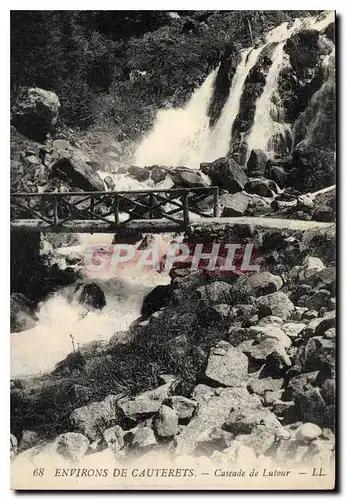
(219, 137)
(269, 129)
(40, 348)
(179, 135)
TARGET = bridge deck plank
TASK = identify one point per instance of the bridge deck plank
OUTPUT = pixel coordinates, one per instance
(165, 226)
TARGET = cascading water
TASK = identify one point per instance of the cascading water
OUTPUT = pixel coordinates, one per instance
(269, 131)
(218, 140)
(178, 135)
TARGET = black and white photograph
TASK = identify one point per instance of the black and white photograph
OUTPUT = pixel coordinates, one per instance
(173, 249)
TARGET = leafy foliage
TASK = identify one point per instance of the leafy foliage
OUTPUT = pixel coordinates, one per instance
(118, 67)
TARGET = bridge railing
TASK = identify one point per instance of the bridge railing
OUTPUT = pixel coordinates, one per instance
(175, 205)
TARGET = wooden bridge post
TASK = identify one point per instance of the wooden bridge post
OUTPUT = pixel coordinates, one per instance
(55, 211)
(116, 209)
(151, 204)
(216, 210)
(186, 208)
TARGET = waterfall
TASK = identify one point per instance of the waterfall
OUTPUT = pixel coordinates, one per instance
(178, 135)
(219, 137)
(269, 131)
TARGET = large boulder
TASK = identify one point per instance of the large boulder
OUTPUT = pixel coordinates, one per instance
(257, 162)
(187, 177)
(77, 173)
(138, 173)
(226, 173)
(35, 113)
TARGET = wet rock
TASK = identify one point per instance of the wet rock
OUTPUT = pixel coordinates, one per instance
(158, 174)
(226, 173)
(276, 304)
(35, 113)
(185, 177)
(305, 202)
(261, 187)
(183, 407)
(277, 174)
(72, 446)
(257, 162)
(90, 418)
(157, 298)
(22, 315)
(235, 205)
(90, 295)
(264, 283)
(325, 214)
(226, 365)
(165, 423)
(77, 173)
(138, 173)
(108, 180)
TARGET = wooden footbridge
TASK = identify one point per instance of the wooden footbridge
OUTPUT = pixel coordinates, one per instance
(153, 211)
(134, 212)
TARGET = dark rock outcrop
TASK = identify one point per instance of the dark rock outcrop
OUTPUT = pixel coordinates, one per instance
(226, 173)
(35, 113)
(90, 295)
(77, 173)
